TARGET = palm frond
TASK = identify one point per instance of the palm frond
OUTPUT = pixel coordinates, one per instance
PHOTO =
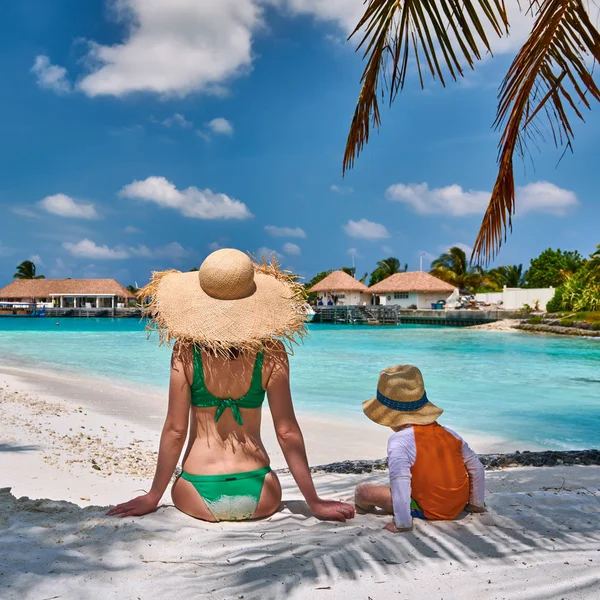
(442, 32)
(549, 77)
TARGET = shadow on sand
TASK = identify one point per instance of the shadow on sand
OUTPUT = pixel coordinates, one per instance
(51, 548)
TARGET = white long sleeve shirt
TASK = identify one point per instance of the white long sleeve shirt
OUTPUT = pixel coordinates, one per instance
(402, 455)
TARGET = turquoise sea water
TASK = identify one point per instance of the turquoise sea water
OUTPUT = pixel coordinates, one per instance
(538, 389)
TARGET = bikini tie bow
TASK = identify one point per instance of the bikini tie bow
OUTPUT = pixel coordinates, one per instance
(235, 409)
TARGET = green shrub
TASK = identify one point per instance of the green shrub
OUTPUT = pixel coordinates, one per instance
(535, 321)
(556, 304)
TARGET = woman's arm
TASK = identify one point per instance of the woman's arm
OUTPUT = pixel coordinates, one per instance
(172, 440)
(291, 441)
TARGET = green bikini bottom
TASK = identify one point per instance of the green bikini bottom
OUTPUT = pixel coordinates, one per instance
(230, 497)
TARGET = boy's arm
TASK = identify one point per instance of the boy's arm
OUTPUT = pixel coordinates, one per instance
(476, 478)
(401, 456)
(400, 487)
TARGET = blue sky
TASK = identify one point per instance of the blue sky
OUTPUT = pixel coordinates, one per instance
(138, 136)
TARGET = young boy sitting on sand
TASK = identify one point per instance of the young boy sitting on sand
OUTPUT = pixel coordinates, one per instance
(433, 472)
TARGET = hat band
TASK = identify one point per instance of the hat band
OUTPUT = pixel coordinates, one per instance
(402, 406)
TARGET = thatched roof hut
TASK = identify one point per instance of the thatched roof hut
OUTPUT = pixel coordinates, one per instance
(21, 289)
(339, 281)
(417, 281)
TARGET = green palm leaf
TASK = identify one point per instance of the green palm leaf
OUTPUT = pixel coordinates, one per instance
(442, 32)
(548, 77)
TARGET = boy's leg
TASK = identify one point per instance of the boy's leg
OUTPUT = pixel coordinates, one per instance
(367, 497)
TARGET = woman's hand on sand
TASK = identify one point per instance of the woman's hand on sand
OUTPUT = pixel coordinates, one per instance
(472, 508)
(142, 505)
(332, 510)
(391, 527)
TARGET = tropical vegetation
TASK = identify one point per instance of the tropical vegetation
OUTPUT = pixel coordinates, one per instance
(510, 276)
(454, 268)
(551, 78)
(579, 290)
(27, 270)
(385, 268)
(551, 266)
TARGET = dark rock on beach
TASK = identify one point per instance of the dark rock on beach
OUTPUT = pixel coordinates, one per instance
(545, 328)
(547, 458)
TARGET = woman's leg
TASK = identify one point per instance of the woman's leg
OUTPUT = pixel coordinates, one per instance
(367, 497)
(187, 499)
(270, 497)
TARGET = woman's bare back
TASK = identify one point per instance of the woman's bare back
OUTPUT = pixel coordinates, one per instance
(225, 446)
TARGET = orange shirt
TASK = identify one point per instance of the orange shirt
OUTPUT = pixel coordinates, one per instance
(434, 466)
(440, 482)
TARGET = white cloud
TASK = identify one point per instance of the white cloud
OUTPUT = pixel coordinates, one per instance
(51, 77)
(367, 230)
(37, 260)
(131, 229)
(544, 197)
(294, 232)
(183, 46)
(88, 249)
(267, 253)
(540, 197)
(221, 126)
(214, 246)
(174, 48)
(468, 250)
(179, 120)
(345, 13)
(174, 250)
(65, 206)
(191, 202)
(338, 189)
(452, 200)
(354, 252)
(292, 249)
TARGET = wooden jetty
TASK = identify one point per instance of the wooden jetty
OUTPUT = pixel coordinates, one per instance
(94, 312)
(394, 315)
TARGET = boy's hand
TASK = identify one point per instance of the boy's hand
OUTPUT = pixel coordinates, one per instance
(475, 509)
(391, 527)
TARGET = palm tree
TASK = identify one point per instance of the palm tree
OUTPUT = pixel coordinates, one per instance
(454, 268)
(551, 77)
(594, 262)
(385, 268)
(510, 276)
(26, 270)
(352, 272)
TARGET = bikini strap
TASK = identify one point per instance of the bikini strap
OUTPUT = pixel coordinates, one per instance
(256, 384)
(198, 369)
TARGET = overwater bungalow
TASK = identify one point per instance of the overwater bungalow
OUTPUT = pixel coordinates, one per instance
(66, 293)
(341, 289)
(417, 290)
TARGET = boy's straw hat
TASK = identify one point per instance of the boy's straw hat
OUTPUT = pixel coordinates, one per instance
(401, 399)
(231, 302)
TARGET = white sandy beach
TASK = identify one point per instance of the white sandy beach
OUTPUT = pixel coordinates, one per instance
(76, 446)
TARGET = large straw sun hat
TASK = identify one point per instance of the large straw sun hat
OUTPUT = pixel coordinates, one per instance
(231, 302)
(401, 399)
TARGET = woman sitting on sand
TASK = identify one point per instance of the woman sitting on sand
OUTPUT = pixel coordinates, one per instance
(228, 319)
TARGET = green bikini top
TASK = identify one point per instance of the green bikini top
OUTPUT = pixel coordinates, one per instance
(202, 398)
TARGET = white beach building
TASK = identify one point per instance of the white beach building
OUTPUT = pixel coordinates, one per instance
(413, 290)
(67, 293)
(341, 289)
